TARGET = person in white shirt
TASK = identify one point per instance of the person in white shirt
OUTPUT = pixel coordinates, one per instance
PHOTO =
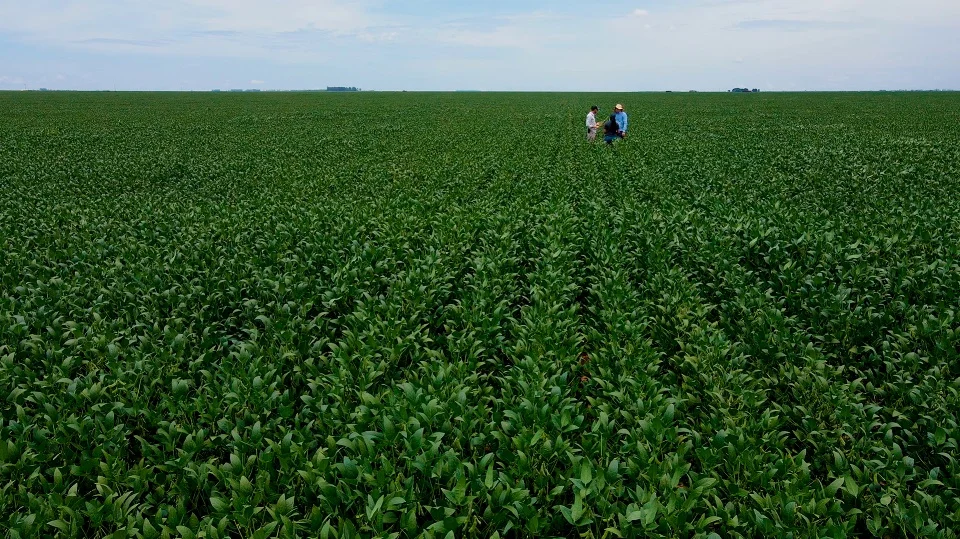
(592, 123)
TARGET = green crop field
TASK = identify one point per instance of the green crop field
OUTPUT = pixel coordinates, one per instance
(448, 315)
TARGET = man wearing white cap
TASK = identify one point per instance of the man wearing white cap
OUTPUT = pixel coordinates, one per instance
(621, 120)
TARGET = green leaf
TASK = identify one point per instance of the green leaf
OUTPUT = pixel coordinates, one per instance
(326, 531)
(60, 525)
(265, 531)
(576, 511)
(219, 504)
(613, 469)
(373, 507)
(832, 488)
(668, 414)
(940, 436)
(149, 531)
(851, 486)
(246, 487)
(586, 473)
(648, 513)
(707, 521)
(705, 483)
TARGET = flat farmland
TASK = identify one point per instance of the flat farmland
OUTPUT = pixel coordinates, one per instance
(449, 315)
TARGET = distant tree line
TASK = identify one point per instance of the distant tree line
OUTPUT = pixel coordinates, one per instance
(744, 90)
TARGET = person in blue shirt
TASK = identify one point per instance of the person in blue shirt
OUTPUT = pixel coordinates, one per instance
(621, 119)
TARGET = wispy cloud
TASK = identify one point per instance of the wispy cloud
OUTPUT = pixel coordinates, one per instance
(639, 13)
(215, 33)
(501, 37)
(282, 15)
(208, 27)
(130, 42)
(794, 25)
(526, 31)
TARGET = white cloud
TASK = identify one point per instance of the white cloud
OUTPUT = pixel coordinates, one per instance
(640, 13)
(499, 37)
(862, 11)
(527, 31)
(281, 15)
(256, 81)
(378, 36)
(239, 28)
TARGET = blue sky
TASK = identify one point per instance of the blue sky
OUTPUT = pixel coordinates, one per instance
(560, 45)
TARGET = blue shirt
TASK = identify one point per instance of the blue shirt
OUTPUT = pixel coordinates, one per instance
(622, 121)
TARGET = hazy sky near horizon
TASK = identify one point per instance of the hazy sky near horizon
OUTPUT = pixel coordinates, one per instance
(562, 45)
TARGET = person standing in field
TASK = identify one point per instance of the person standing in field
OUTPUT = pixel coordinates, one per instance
(592, 123)
(611, 129)
(621, 119)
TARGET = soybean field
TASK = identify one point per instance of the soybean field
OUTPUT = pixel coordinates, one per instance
(449, 315)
